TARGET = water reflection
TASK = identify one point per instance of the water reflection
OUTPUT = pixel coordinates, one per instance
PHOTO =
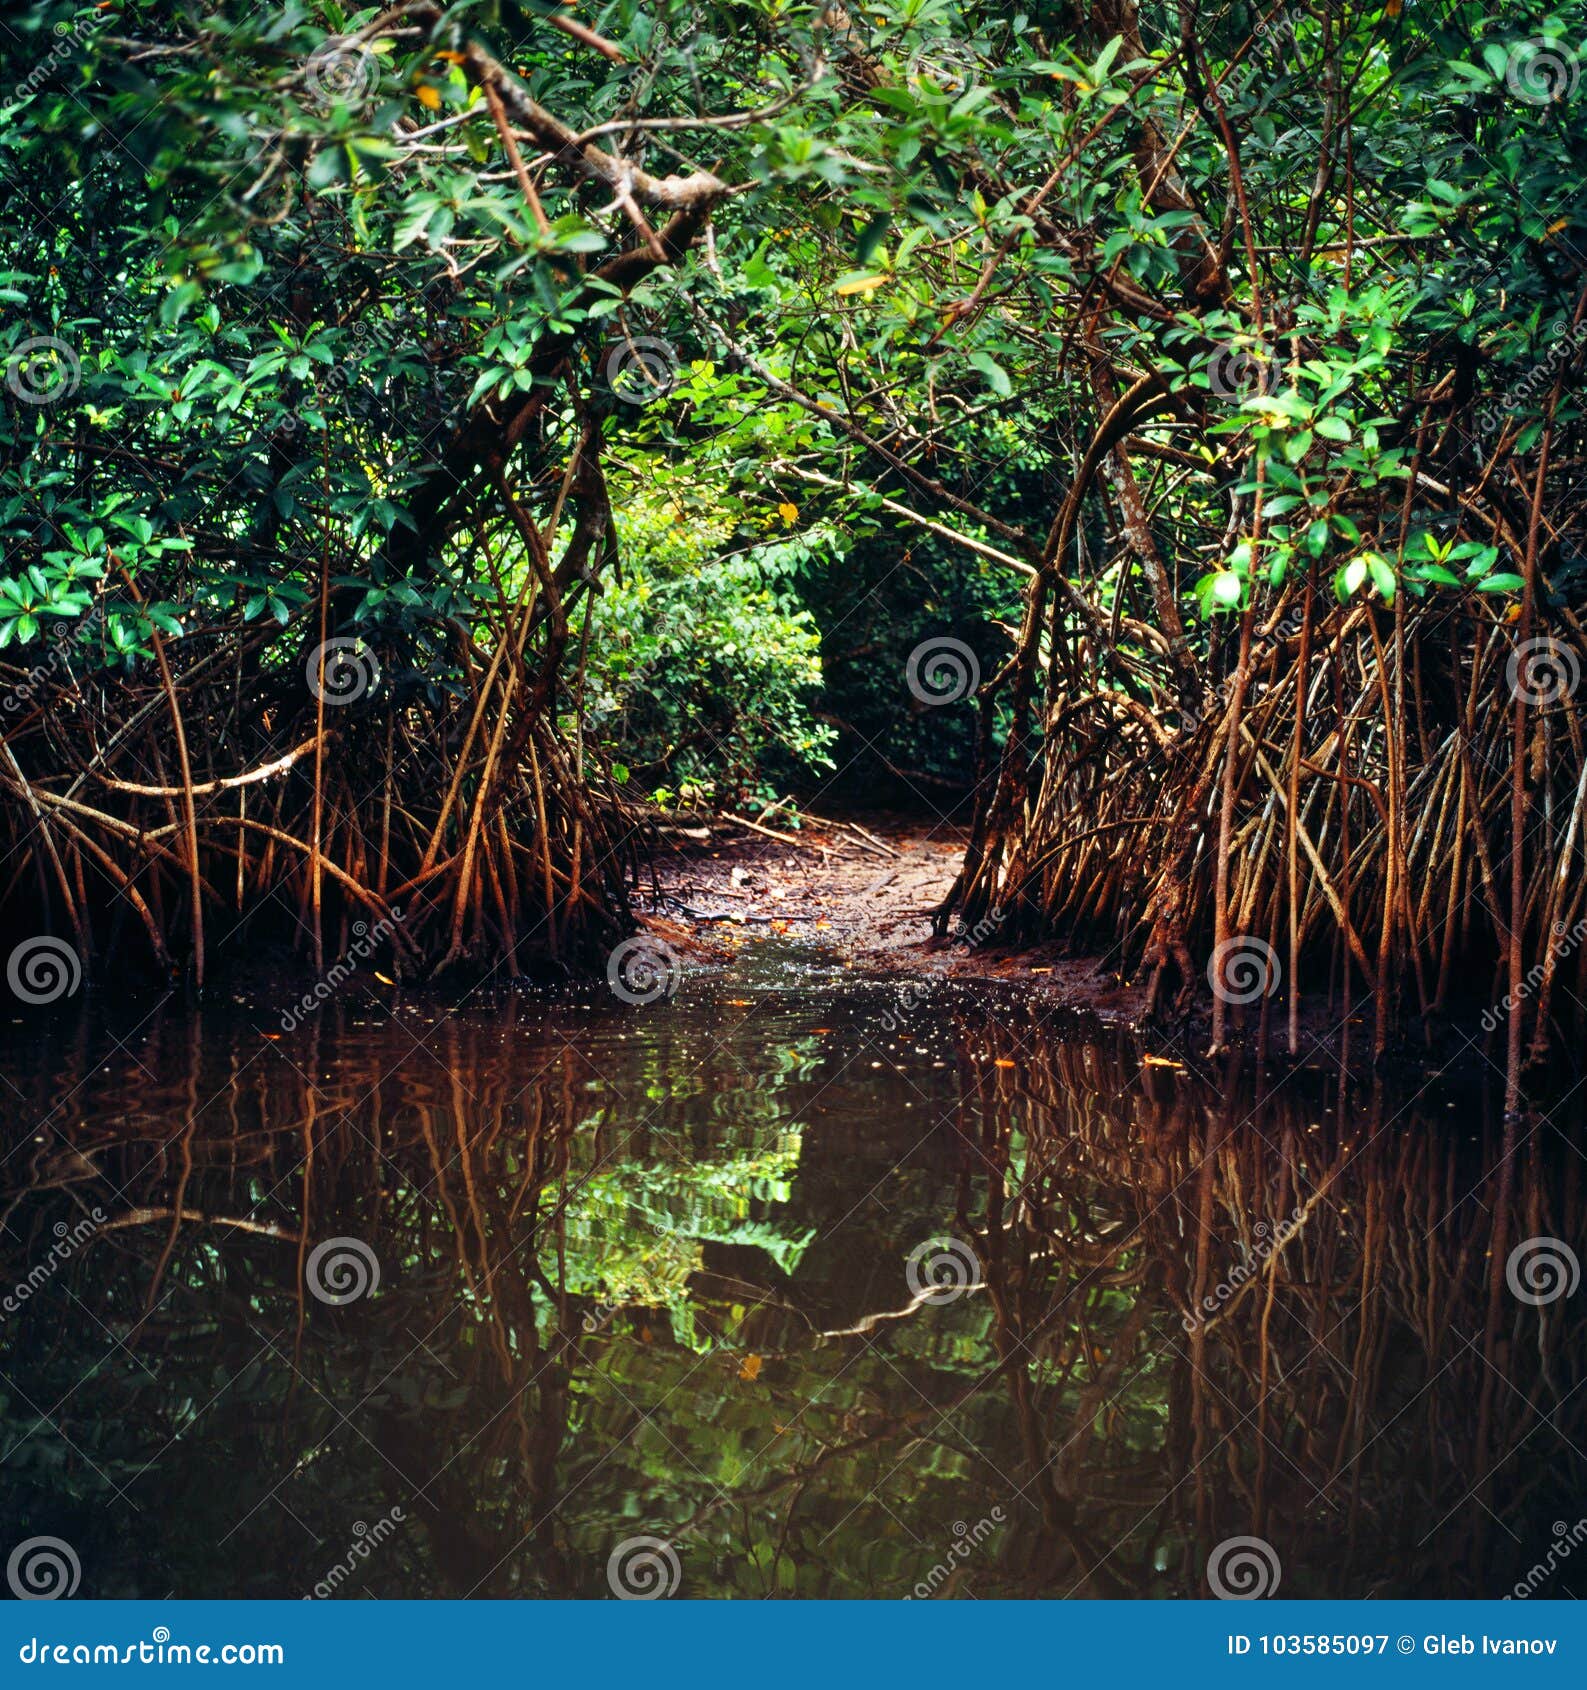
(645, 1274)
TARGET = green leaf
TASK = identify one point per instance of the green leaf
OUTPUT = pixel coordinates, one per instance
(1349, 579)
(996, 375)
(1497, 58)
(871, 237)
(1226, 589)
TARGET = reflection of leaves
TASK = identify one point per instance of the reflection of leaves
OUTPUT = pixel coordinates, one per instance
(636, 1230)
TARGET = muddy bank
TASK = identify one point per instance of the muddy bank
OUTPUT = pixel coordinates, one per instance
(866, 890)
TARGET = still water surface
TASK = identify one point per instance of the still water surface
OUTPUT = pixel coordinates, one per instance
(647, 1273)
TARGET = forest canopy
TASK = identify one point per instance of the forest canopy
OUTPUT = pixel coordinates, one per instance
(437, 439)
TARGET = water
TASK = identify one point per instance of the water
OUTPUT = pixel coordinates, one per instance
(645, 1273)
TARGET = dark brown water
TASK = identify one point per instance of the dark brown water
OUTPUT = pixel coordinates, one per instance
(647, 1273)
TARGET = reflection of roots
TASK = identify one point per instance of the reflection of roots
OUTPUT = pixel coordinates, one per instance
(1392, 875)
(1277, 1301)
(1325, 1400)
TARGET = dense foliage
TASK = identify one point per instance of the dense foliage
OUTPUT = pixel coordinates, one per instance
(629, 398)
